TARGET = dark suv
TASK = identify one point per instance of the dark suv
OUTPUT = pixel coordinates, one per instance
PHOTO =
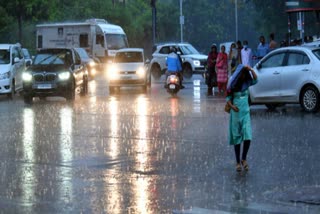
(55, 72)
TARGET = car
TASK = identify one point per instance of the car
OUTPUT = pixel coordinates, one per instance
(91, 64)
(192, 61)
(55, 72)
(288, 75)
(12, 64)
(129, 68)
(27, 56)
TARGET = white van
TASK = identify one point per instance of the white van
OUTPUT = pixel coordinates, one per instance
(98, 37)
(12, 64)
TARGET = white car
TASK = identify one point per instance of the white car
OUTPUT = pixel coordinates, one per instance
(128, 69)
(12, 64)
(288, 75)
(192, 61)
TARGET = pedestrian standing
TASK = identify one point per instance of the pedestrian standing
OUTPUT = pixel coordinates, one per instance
(246, 54)
(222, 71)
(263, 48)
(272, 44)
(233, 58)
(239, 122)
(211, 76)
(239, 47)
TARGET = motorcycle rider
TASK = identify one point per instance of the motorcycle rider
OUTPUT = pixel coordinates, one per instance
(174, 65)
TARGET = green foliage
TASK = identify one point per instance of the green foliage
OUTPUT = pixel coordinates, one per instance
(206, 21)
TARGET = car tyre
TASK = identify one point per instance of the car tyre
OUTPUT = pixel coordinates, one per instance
(71, 95)
(156, 71)
(13, 88)
(84, 87)
(309, 99)
(187, 71)
(27, 99)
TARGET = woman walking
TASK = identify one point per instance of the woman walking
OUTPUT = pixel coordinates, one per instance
(222, 70)
(233, 58)
(240, 123)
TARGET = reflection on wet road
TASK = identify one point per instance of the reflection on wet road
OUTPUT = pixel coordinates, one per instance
(134, 152)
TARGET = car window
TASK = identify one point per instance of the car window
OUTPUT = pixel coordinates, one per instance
(4, 56)
(128, 57)
(63, 57)
(15, 53)
(316, 53)
(298, 59)
(188, 49)
(165, 50)
(275, 60)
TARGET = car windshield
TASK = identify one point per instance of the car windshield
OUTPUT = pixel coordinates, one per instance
(124, 57)
(60, 57)
(316, 52)
(116, 41)
(4, 56)
(83, 53)
(188, 49)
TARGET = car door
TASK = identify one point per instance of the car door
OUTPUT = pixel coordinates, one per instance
(294, 73)
(268, 72)
(78, 69)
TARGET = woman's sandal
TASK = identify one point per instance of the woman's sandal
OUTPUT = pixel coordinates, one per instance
(245, 165)
(238, 167)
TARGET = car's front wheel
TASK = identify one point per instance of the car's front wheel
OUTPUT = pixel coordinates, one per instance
(156, 71)
(71, 94)
(84, 87)
(27, 99)
(187, 71)
(309, 100)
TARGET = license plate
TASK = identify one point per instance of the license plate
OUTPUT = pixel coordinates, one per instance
(126, 77)
(172, 86)
(44, 86)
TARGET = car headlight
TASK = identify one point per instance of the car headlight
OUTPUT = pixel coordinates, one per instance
(26, 76)
(64, 75)
(92, 63)
(196, 62)
(141, 71)
(113, 72)
(5, 75)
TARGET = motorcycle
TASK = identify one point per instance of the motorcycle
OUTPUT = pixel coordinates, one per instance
(173, 84)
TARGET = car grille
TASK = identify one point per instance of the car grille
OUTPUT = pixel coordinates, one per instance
(44, 77)
(127, 72)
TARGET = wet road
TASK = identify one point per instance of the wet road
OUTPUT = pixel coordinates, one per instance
(149, 153)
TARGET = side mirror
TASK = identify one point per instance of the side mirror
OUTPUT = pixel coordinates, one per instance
(179, 53)
(16, 60)
(148, 61)
(28, 63)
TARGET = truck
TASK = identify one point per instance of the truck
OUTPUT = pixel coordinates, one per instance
(98, 37)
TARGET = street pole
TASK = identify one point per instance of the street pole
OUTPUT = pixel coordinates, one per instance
(236, 17)
(181, 22)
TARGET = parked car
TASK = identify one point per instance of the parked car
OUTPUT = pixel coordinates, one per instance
(55, 72)
(192, 61)
(288, 75)
(88, 61)
(12, 64)
(27, 56)
(129, 68)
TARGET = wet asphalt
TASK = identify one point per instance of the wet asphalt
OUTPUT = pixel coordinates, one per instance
(134, 152)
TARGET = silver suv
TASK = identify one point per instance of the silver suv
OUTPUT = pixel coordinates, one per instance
(192, 61)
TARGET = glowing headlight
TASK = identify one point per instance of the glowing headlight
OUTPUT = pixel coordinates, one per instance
(5, 75)
(27, 77)
(141, 71)
(113, 72)
(92, 63)
(64, 75)
(196, 62)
